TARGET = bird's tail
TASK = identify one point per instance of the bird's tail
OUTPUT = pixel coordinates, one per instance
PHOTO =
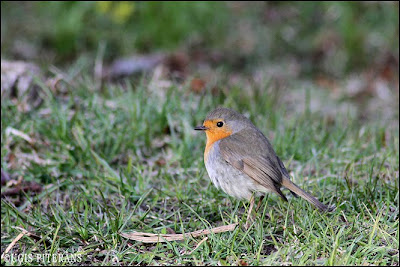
(297, 190)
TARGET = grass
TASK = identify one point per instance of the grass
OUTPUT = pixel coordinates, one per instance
(127, 158)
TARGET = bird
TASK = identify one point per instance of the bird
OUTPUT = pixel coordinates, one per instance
(241, 161)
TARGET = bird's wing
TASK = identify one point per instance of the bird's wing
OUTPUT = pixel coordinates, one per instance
(248, 153)
(283, 169)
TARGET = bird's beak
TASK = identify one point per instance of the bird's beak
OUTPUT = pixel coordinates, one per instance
(200, 128)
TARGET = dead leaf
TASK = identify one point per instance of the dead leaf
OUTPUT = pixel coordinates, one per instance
(17, 82)
(197, 85)
(170, 230)
(4, 177)
(25, 186)
(177, 64)
(135, 64)
(161, 161)
(243, 263)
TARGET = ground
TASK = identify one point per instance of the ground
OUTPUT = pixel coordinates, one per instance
(126, 158)
(97, 143)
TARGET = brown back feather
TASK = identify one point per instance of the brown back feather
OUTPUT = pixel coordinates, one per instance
(258, 160)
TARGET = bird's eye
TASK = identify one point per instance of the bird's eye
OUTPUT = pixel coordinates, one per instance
(220, 123)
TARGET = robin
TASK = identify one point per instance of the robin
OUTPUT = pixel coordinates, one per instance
(241, 161)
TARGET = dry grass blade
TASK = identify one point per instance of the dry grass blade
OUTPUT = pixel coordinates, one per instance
(24, 232)
(10, 130)
(155, 238)
(197, 246)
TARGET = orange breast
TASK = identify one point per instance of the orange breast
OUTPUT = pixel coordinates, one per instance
(213, 135)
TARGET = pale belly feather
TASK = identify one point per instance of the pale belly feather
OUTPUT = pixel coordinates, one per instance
(224, 176)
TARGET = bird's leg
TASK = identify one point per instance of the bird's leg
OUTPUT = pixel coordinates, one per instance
(247, 224)
(259, 203)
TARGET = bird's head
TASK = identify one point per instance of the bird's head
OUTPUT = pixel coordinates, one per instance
(221, 123)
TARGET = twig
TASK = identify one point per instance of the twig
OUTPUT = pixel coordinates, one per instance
(154, 238)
